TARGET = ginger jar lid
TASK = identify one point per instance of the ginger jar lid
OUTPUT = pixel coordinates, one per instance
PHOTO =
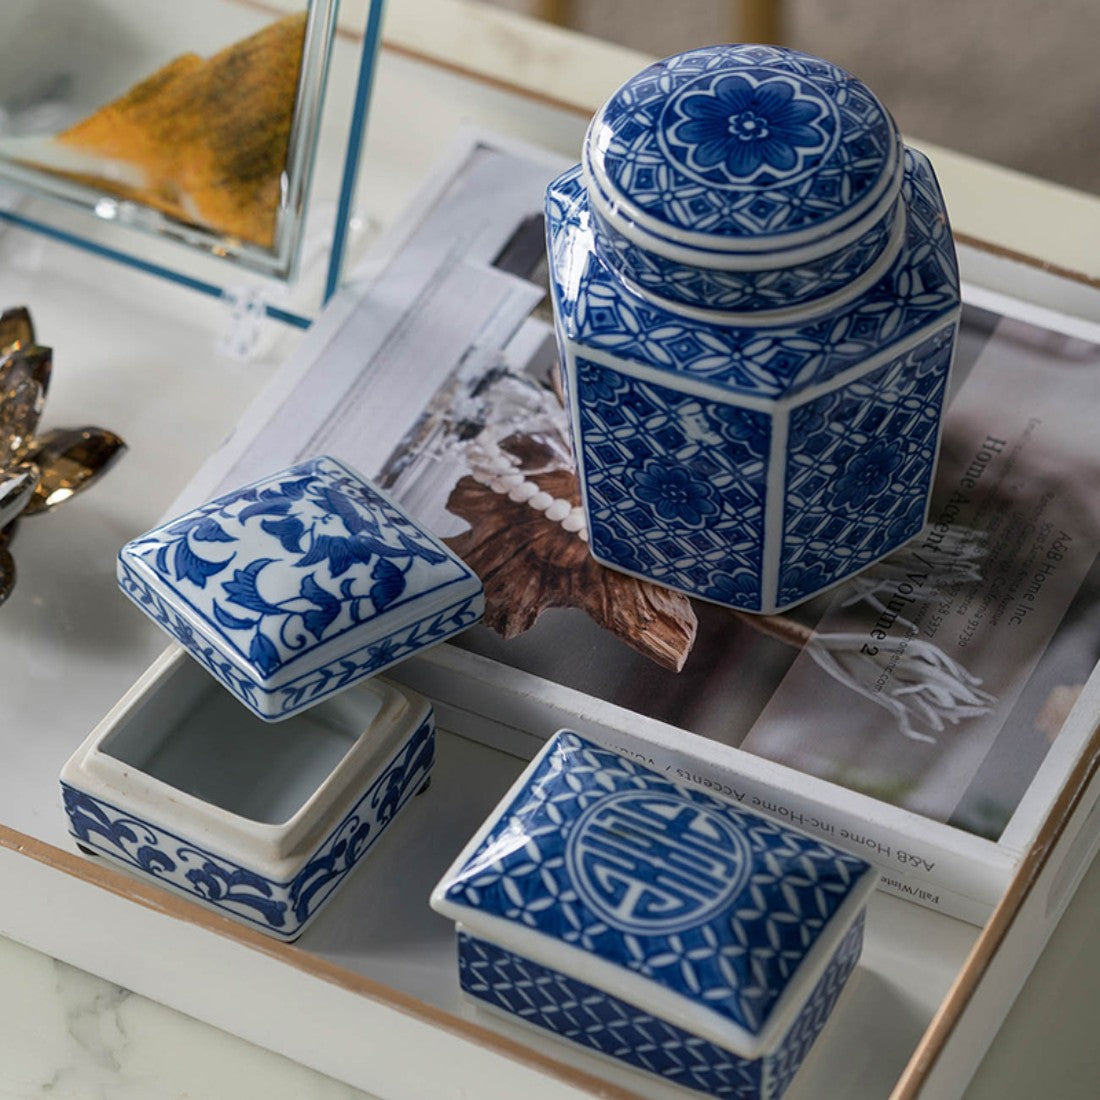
(299, 585)
(742, 149)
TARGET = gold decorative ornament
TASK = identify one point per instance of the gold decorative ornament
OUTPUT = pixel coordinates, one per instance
(38, 472)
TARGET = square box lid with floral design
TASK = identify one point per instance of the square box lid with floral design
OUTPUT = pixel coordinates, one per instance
(299, 585)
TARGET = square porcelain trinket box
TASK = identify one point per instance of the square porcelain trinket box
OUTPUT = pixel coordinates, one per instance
(292, 593)
(655, 924)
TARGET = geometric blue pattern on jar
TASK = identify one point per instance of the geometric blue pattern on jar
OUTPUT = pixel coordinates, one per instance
(734, 949)
(768, 362)
(859, 468)
(891, 342)
(742, 142)
(778, 286)
(589, 1016)
(281, 909)
(311, 684)
(674, 484)
(295, 586)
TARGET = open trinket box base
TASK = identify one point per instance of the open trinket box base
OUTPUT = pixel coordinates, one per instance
(262, 822)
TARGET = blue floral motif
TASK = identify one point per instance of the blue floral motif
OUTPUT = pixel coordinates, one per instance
(742, 126)
(807, 578)
(401, 780)
(600, 384)
(744, 427)
(809, 419)
(832, 464)
(868, 473)
(236, 887)
(269, 574)
(88, 820)
(153, 860)
(313, 685)
(324, 870)
(384, 652)
(740, 589)
(639, 433)
(675, 493)
(318, 682)
(663, 149)
(616, 551)
(349, 552)
(908, 522)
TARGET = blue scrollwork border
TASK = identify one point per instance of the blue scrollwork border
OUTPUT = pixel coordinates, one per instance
(317, 683)
(280, 908)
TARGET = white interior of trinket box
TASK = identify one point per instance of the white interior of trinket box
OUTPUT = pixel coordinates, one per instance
(181, 751)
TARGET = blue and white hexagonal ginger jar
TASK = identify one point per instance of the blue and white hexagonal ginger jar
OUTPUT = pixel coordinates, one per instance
(756, 297)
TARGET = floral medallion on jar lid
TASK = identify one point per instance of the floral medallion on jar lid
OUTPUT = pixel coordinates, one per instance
(743, 148)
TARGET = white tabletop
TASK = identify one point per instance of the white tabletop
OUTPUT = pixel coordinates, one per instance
(65, 1033)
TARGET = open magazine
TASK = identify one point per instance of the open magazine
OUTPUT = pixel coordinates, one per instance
(934, 682)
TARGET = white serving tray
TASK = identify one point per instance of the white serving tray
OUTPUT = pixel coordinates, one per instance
(373, 982)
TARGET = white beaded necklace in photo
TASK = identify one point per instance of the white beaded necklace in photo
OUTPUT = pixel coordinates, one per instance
(497, 470)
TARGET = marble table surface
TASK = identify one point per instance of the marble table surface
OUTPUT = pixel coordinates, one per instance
(67, 1035)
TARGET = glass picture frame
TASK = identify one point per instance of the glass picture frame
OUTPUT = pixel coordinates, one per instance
(187, 140)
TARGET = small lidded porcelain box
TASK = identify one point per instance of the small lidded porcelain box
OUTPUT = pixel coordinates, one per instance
(291, 593)
(756, 299)
(655, 924)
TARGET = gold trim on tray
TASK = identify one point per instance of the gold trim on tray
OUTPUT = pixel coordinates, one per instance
(996, 930)
(159, 900)
(1023, 258)
(909, 1085)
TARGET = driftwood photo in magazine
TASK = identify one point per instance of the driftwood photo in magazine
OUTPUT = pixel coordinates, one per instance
(921, 681)
(934, 681)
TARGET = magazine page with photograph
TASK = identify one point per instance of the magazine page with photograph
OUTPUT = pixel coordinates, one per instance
(898, 683)
(933, 682)
(939, 677)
